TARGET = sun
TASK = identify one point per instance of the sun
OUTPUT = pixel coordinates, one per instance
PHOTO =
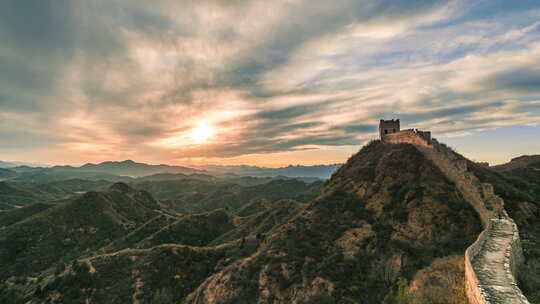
(201, 133)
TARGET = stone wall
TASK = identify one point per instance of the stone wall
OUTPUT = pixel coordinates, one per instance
(406, 136)
(488, 206)
(474, 292)
(455, 169)
(513, 261)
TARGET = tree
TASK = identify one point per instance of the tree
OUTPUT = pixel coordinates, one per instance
(162, 296)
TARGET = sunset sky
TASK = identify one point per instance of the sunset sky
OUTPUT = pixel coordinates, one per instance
(266, 83)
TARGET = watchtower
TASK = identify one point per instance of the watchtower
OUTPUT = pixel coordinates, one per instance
(388, 127)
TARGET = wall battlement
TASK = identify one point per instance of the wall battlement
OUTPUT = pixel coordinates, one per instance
(390, 132)
(411, 136)
(388, 127)
(493, 261)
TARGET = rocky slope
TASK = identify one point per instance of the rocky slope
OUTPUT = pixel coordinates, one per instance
(384, 216)
(388, 227)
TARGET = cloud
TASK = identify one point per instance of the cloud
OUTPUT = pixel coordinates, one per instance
(131, 79)
(522, 80)
(357, 129)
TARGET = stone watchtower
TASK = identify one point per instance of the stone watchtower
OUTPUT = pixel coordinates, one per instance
(388, 127)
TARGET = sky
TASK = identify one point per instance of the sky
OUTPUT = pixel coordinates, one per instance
(267, 83)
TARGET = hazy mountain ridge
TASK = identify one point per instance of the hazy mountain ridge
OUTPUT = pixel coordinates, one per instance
(130, 168)
(315, 171)
(94, 176)
(11, 164)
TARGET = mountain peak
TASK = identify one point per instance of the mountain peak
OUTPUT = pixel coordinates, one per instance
(127, 161)
(122, 187)
(520, 162)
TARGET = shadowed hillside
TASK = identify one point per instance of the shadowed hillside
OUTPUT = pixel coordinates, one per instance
(388, 227)
(196, 196)
(71, 228)
(14, 196)
(385, 215)
(6, 173)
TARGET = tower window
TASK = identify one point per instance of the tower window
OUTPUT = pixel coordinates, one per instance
(385, 131)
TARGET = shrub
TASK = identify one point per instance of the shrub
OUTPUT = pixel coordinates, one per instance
(162, 296)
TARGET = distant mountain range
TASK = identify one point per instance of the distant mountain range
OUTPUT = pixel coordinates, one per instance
(317, 171)
(129, 168)
(11, 164)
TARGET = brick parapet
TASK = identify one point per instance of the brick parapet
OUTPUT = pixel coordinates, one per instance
(488, 206)
(407, 136)
(473, 288)
(513, 260)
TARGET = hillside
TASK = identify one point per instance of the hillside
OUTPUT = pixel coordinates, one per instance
(6, 173)
(161, 274)
(524, 162)
(196, 196)
(387, 227)
(384, 216)
(18, 214)
(72, 186)
(13, 196)
(71, 228)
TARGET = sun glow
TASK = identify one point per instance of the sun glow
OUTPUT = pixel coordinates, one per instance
(201, 133)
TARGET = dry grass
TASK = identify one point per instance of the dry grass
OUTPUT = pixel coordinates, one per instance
(440, 283)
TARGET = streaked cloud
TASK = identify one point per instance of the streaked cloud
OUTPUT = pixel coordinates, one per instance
(90, 81)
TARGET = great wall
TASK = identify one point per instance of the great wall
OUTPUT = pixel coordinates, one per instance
(493, 261)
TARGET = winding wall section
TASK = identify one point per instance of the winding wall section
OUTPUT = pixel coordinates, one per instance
(492, 262)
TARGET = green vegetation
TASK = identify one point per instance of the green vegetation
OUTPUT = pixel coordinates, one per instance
(12, 196)
(387, 228)
(11, 294)
(196, 196)
(71, 229)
